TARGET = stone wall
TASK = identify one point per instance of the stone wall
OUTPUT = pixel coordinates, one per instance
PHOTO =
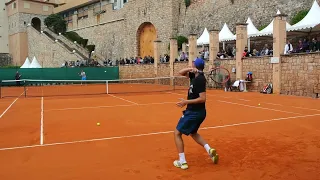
(47, 52)
(5, 59)
(262, 72)
(115, 34)
(19, 21)
(300, 74)
(214, 13)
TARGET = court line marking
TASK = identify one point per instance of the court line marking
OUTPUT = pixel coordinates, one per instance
(123, 99)
(258, 107)
(97, 107)
(248, 105)
(268, 103)
(154, 133)
(41, 122)
(11, 104)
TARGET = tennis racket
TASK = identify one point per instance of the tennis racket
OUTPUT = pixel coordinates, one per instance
(219, 75)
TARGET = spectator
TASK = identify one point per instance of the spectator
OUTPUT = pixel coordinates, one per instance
(17, 77)
(314, 45)
(288, 48)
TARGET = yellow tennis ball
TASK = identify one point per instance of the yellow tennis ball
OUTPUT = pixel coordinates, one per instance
(258, 104)
(98, 124)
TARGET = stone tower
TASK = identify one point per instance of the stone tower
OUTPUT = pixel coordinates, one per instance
(22, 13)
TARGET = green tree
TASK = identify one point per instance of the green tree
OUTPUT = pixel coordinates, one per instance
(299, 16)
(262, 27)
(187, 2)
(56, 23)
(181, 40)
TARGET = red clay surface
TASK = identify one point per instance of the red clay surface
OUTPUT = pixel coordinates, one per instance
(280, 139)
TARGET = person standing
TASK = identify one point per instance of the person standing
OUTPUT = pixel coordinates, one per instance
(17, 78)
(83, 76)
(194, 114)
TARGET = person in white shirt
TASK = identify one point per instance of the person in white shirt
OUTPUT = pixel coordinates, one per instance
(288, 48)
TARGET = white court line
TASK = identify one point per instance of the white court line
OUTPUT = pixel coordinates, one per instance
(249, 106)
(41, 123)
(292, 106)
(11, 105)
(258, 107)
(123, 99)
(268, 103)
(154, 133)
(96, 107)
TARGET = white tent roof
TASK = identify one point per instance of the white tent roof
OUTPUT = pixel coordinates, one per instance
(310, 20)
(269, 29)
(251, 28)
(225, 34)
(35, 63)
(204, 38)
(26, 63)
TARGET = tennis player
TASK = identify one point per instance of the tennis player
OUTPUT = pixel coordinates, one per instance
(83, 76)
(194, 114)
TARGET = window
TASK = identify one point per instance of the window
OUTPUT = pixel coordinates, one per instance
(26, 5)
(14, 5)
(45, 8)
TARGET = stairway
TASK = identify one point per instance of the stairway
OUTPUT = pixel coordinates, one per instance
(84, 53)
(66, 46)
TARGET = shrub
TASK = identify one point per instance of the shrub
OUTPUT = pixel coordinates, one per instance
(187, 2)
(299, 16)
(262, 27)
(56, 23)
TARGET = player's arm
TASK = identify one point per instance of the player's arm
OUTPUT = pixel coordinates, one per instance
(185, 72)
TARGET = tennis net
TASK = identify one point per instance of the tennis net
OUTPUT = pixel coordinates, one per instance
(43, 88)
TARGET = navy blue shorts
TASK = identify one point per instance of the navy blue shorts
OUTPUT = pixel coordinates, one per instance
(190, 122)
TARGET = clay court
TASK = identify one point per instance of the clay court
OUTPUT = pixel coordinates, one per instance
(56, 137)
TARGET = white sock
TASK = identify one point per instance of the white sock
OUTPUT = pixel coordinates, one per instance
(207, 147)
(182, 158)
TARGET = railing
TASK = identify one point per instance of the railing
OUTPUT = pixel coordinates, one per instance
(84, 53)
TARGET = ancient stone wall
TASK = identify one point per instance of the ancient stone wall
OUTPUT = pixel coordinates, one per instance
(214, 13)
(19, 21)
(5, 59)
(116, 35)
(47, 52)
(300, 74)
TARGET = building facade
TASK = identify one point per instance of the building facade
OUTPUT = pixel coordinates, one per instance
(4, 28)
(127, 28)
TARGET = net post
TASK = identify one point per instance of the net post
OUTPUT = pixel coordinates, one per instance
(173, 83)
(25, 89)
(0, 89)
(107, 87)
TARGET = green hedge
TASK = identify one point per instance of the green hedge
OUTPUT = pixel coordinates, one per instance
(299, 16)
(56, 23)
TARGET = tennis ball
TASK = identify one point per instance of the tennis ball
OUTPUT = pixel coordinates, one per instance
(259, 104)
(105, 71)
(98, 124)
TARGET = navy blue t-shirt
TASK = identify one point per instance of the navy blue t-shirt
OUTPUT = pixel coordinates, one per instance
(197, 86)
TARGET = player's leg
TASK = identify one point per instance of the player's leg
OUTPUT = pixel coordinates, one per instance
(200, 116)
(211, 151)
(182, 128)
(181, 163)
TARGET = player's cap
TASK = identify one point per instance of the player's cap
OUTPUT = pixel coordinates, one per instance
(199, 63)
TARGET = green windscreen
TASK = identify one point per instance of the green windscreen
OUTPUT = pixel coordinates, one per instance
(106, 73)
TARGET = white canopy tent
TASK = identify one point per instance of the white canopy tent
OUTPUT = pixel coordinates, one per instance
(26, 63)
(204, 38)
(311, 20)
(225, 34)
(35, 63)
(269, 29)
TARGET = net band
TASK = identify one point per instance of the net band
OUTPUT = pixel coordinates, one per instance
(37, 88)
